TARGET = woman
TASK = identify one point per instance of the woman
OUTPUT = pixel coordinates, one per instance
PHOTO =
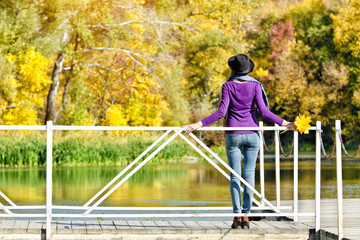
(240, 94)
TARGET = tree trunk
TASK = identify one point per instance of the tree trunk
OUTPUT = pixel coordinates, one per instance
(68, 78)
(67, 83)
(51, 98)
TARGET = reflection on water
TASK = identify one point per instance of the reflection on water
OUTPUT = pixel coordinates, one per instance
(167, 184)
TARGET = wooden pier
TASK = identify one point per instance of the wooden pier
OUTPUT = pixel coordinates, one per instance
(163, 230)
(206, 230)
(328, 216)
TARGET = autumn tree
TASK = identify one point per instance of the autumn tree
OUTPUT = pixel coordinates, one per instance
(346, 39)
(24, 68)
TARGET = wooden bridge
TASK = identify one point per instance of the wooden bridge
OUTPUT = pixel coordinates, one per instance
(308, 214)
(270, 228)
(155, 230)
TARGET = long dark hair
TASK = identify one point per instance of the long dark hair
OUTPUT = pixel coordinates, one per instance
(231, 74)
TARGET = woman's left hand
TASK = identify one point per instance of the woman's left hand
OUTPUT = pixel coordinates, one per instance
(289, 125)
(192, 127)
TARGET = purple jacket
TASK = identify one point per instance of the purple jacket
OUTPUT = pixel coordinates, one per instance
(238, 101)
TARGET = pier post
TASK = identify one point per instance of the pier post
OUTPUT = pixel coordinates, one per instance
(296, 175)
(317, 177)
(262, 171)
(339, 180)
(277, 165)
(49, 136)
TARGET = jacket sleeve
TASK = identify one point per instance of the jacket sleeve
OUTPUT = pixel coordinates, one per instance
(223, 107)
(265, 113)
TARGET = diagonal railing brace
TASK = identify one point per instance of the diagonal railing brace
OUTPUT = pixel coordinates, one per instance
(127, 168)
(213, 164)
(235, 173)
(133, 171)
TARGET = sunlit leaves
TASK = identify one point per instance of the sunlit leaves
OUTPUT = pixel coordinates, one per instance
(26, 87)
(347, 27)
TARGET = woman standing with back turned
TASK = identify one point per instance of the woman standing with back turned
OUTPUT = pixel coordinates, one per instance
(240, 94)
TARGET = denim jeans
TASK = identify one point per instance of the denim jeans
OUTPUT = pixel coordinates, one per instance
(234, 143)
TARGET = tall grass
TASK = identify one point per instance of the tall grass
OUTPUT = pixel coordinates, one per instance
(30, 150)
(79, 148)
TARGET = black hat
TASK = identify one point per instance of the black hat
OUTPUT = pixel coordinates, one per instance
(241, 64)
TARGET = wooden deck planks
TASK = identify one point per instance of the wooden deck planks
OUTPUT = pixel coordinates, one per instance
(166, 227)
(328, 215)
(64, 227)
(93, 227)
(35, 227)
(78, 227)
(180, 226)
(122, 227)
(328, 223)
(108, 227)
(20, 227)
(137, 227)
(6, 226)
(154, 228)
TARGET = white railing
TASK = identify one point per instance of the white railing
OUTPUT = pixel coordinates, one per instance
(339, 180)
(92, 204)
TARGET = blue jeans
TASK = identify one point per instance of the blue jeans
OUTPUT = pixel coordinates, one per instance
(234, 144)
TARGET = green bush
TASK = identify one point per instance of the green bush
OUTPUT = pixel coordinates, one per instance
(30, 150)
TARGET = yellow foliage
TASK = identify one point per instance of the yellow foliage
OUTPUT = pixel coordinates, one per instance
(347, 27)
(115, 117)
(260, 72)
(32, 68)
(25, 88)
(223, 15)
(11, 58)
(294, 93)
(146, 104)
(138, 2)
(356, 98)
(22, 115)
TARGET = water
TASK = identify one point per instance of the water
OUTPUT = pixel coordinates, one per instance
(166, 185)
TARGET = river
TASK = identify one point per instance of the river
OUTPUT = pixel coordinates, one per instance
(168, 184)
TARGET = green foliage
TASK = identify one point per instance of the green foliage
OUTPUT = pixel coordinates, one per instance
(346, 27)
(30, 150)
(313, 26)
(162, 62)
(206, 73)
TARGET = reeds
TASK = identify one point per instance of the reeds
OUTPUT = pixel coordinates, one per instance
(72, 149)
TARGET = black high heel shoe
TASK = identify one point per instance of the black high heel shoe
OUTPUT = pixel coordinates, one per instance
(245, 222)
(237, 223)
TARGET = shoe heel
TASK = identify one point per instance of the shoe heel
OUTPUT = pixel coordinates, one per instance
(245, 225)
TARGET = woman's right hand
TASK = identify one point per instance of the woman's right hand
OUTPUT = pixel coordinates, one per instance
(290, 125)
(192, 127)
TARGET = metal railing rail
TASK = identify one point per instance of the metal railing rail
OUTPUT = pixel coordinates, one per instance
(87, 208)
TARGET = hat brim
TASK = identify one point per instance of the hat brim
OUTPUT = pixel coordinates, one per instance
(252, 65)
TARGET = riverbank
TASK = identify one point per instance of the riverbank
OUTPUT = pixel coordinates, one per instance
(89, 149)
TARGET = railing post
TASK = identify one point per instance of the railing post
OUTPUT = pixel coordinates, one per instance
(262, 171)
(339, 180)
(49, 136)
(317, 177)
(296, 174)
(277, 166)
